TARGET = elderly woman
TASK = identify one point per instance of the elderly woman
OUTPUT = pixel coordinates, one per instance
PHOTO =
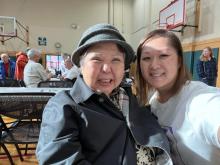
(97, 121)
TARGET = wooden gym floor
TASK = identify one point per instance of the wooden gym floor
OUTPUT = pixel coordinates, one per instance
(29, 159)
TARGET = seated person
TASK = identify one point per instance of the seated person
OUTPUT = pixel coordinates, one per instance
(34, 72)
(7, 67)
(72, 70)
(62, 67)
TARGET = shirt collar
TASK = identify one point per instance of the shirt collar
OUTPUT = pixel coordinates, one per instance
(80, 91)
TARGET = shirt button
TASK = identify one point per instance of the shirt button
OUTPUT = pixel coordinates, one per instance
(101, 99)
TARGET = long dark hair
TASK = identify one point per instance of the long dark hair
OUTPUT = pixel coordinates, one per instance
(142, 87)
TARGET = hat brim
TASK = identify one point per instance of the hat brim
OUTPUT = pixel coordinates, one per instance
(129, 53)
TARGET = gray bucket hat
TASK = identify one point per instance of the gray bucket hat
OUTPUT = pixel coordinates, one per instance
(103, 33)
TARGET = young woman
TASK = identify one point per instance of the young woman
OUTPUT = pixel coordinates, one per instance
(207, 67)
(97, 121)
(189, 111)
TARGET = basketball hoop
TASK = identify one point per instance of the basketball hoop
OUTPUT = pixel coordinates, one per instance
(173, 15)
(162, 26)
(169, 26)
(8, 30)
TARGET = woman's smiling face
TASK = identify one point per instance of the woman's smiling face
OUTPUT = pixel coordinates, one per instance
(102, 67)
(159, 63)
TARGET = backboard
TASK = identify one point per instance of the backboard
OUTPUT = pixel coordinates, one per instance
(7, 26)
(173, 15)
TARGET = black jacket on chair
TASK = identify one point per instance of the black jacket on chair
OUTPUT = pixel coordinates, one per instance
(82, 127)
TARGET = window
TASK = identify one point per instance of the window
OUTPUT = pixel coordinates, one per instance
(53, 63)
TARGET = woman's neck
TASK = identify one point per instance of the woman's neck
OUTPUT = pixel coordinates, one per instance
(164, 96)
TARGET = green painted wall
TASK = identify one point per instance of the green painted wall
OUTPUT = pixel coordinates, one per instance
(190, 60)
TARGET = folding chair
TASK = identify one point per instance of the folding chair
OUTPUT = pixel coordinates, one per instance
(26, 109)
(9, 83)
(22, 83)
(2, 145)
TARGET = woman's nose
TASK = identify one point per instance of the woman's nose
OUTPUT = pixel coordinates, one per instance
(155, 63)
(106, 68)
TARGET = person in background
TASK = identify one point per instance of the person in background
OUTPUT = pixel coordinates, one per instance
(98, 121)
(34, 72)
(189, 111)
(207, 67)
(21, 61)
(63, 69)
(7, 67)
(72, 70)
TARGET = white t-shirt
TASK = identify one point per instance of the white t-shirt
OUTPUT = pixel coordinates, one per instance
(191, 119)
(34, 73)
(63, 68)
(72, 73)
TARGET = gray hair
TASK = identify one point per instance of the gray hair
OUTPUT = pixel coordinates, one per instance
(32, 52)
(4, 54)
(65, 56)
(68, 59)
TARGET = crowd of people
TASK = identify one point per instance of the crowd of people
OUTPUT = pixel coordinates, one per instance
(28, 69)
(161, 118)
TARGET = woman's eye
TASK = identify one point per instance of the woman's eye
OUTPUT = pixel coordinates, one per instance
(164, 56)
(145, 59)
(96, 59)
(116, 60)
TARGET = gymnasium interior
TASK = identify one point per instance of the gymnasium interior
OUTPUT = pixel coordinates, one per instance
(55, 27)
